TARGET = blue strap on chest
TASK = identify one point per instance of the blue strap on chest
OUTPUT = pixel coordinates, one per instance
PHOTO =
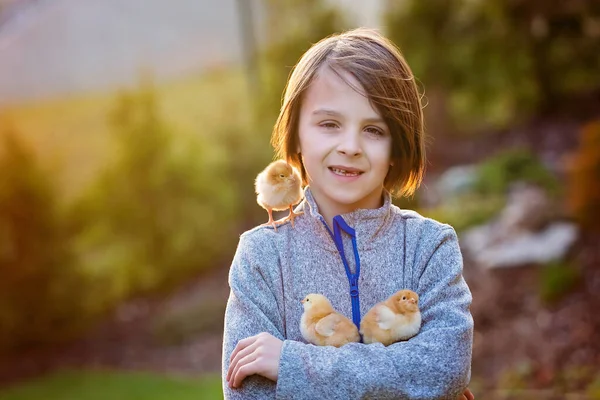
(340, 225)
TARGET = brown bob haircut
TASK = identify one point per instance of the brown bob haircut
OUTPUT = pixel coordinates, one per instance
(387, 82)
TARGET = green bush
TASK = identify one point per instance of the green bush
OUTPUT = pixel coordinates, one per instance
(39, 281)
(496, 61)
(163, 211)
(497, 173)
(467, 211)
(557, 279)
(288, 23)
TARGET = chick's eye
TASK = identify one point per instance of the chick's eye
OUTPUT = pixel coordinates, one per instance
(403, 297)
(281, 176)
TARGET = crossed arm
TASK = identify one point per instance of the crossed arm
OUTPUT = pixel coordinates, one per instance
(434, 364)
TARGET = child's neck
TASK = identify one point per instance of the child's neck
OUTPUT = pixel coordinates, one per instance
(329, 209)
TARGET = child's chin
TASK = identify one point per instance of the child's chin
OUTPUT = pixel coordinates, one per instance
(348, 199)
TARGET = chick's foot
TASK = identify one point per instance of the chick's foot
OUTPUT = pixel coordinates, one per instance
(271, 221)
(292, 216)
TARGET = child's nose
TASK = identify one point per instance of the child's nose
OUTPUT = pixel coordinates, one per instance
(350, 144)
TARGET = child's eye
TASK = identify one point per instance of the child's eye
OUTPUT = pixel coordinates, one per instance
(374, 131)
(328, 125)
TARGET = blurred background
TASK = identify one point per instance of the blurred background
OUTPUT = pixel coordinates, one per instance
(131, 132)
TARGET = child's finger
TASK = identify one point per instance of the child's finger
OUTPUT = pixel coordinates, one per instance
(246, 367)
(241, 345)
(469, 395)
(240, 355)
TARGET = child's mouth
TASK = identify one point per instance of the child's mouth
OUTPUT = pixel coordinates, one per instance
(344, 172)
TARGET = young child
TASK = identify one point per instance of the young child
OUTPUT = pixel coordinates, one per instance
(352, 123)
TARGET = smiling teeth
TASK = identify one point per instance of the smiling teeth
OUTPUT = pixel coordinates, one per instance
(344, 173)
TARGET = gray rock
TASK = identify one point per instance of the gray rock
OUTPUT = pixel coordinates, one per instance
(489, 250)
(522, 234)
(528, 209)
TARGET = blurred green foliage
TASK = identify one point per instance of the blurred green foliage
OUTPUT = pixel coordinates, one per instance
(576, 377)
(584, 178)
(593, 390)
(467, 210)
(490, 62)
(515, 379)
(168, 204)
(115, 385)
(39, 278)
(293, 25)
(165, 208)
(496, 174)
(556, 280)
(161, 212)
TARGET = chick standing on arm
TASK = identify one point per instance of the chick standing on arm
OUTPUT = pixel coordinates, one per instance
(321, 325)
(395, 319)
(279, 187)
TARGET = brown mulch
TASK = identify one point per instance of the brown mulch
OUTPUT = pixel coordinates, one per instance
(549, 345)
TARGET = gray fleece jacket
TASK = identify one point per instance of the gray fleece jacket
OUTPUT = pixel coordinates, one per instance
(395, 249)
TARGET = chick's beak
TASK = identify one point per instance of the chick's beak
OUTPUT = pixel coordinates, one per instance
(413, 301)
(302, 301)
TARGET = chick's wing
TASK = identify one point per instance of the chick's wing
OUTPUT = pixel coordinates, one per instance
(385, 317)
(327, 325)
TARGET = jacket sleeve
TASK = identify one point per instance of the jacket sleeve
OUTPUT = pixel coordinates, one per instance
(252, 308)
(435, 364)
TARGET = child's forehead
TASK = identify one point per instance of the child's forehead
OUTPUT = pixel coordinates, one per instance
(336, 79)
(336, 91)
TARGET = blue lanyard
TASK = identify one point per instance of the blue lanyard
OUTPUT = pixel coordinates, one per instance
(340, 225)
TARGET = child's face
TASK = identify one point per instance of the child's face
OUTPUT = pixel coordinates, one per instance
(345, 145)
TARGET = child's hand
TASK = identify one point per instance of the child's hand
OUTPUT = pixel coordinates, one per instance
(254, 355)
(467, 395)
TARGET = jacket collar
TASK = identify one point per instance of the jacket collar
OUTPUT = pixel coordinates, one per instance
(369, 224)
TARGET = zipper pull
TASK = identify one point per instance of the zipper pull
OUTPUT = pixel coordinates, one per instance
(354, 287)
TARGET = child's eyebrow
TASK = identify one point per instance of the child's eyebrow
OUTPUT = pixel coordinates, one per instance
(334, 113)
(327, 112)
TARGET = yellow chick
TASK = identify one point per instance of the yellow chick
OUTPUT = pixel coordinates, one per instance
(397, 318)
(279, 187)
(323, 326)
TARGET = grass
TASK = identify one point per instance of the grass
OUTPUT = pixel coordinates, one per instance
(115, 385)
(71, 135)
